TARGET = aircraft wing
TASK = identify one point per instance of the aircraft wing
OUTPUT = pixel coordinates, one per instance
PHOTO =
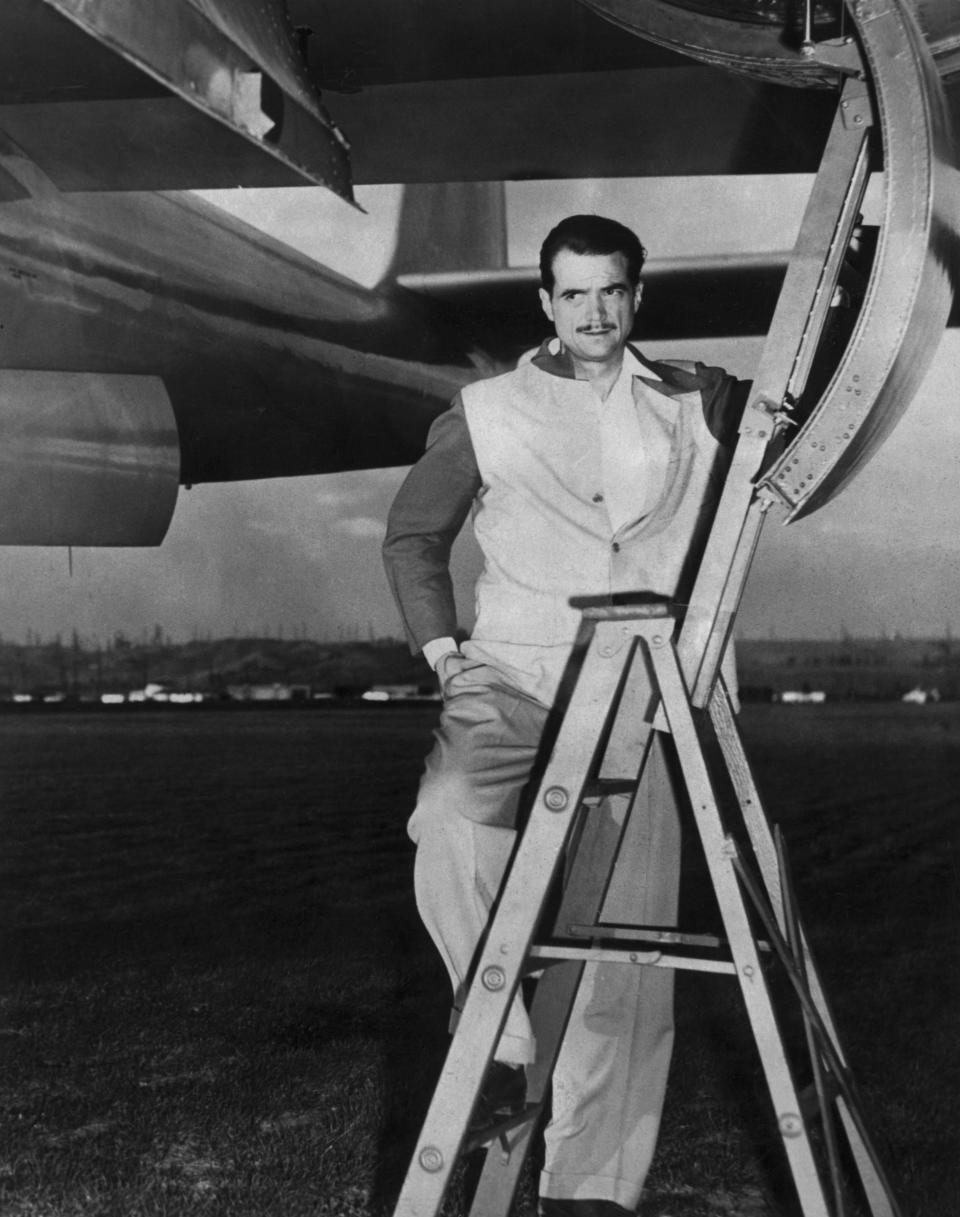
(150, 340)
(187, 94)
(725, 296)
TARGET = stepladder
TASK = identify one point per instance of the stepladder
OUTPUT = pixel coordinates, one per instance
(647, 690)
(599, 838)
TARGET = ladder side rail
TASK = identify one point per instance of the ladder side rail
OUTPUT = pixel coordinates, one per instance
(596, 864)
(748, 796)
(585, 887)
(802, 308)
(821, 1073)
(877, 1188)
(720, 852)
(763, 842)
(768, 855)
(501, 959)
(875, 1182)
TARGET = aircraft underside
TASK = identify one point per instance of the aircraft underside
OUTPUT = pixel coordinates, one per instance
(148, 340)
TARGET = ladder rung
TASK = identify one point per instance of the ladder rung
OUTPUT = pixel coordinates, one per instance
(597, 789)
(656, 959)
(628, 933)
(637, 934)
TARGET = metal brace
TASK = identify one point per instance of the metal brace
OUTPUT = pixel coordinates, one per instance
(842, 54)
(768, 419)
(856, 109)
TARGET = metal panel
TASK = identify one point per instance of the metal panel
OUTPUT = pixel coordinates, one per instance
(236, 63)
(653, 122)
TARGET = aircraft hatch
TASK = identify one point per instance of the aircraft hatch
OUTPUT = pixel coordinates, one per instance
(894, 63)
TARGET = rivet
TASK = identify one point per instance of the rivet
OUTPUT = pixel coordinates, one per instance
(748, 971)
(493, 979)
(431, 1159)
(790, 1125)
(556, 798)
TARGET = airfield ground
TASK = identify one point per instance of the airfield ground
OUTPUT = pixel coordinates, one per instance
(216, 998)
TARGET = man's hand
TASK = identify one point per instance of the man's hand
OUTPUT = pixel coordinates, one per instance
(450, 666)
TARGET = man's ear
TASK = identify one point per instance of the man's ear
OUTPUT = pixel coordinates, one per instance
(637, 294)
(546, 303)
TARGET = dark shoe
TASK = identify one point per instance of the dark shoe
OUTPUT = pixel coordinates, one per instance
(582, 1208)
(503, 1094)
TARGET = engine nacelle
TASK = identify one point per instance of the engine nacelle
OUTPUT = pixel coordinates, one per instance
(87, 459)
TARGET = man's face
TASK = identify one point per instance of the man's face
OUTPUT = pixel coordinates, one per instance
(592, 306)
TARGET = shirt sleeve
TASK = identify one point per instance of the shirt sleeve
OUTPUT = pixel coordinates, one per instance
(427, 514)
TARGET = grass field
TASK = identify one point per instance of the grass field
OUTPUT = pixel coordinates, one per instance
(217, 998)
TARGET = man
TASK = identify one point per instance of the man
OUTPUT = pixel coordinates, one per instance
(589, 470)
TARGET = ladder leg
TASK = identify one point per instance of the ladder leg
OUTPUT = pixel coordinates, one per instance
(720, 854)
(520, 905)
(549, 1014)
(625, 868)
(769, 857)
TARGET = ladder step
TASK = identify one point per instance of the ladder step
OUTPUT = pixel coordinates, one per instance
(560, 952)
(631, 933)
(601, 932)
(598, 789)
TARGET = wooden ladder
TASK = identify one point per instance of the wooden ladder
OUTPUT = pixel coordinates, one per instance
(646, 681)
(628, 653)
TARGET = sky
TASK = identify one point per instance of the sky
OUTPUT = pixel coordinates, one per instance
(300, 557)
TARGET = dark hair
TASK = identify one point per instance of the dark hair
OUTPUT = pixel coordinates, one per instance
(591, 234)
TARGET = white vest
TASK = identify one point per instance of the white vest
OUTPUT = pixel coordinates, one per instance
(580, 497)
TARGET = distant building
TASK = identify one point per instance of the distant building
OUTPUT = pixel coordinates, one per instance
(797, 697)
(404, 692)
(277, 691)
(150, 692)
(920, 697)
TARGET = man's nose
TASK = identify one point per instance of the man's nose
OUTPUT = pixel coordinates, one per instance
(598, 308)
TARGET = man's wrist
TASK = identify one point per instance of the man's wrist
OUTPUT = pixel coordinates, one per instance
(436, 648)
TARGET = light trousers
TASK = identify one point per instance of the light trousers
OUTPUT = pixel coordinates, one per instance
(611, 1074)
